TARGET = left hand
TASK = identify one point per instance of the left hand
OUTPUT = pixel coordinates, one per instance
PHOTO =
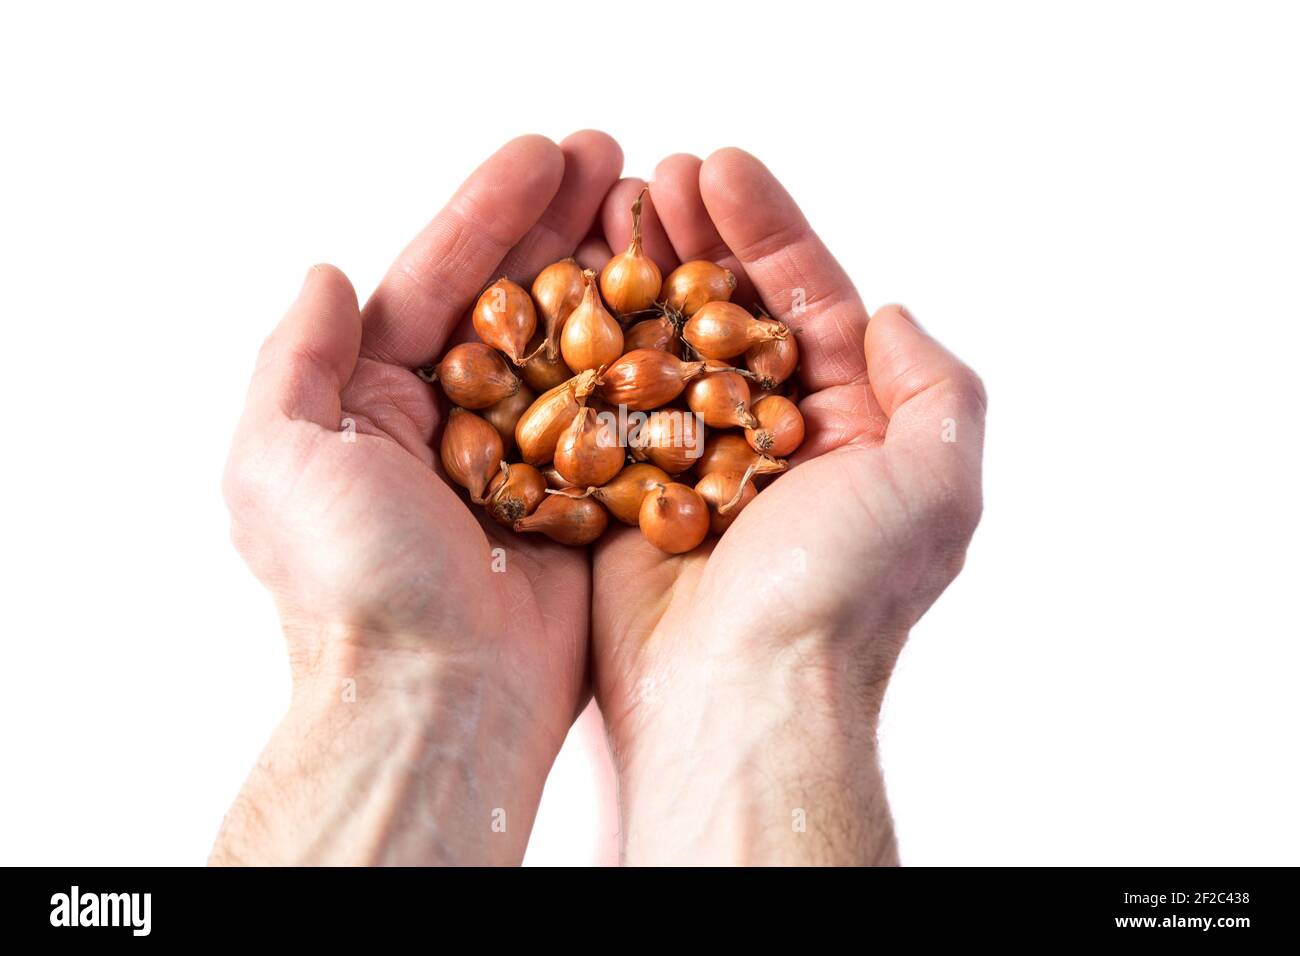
(464, 678)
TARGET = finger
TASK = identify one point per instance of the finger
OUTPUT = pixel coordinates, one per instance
(435, 279)
(593, 253)
(592, 163)
(936, 407)
(311, 354)
(616, 217)
(798, 278)
(686, 222)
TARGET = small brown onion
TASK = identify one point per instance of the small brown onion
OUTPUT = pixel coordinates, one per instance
(557, 290)
(591, 338)
(630, 281)
(471, 451)
(554, 479)
(674, 518)
(568, 520)
(515, 492)
(722, 399)
(723, 330)
(780, 427)
(773, 361)
(726, 493)
(476, 376)
(623, 494)
(540, 426)
(670, 438)
(657, 333)
(647, 378)
(789, 388)
(505, 319)
(729, 452)
(587, 452)
(505, 414)
(541, 372)
(692, 284)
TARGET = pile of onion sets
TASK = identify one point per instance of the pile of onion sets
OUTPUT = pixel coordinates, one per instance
(652, 400)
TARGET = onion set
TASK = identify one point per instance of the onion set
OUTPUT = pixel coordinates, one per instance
(560, 419)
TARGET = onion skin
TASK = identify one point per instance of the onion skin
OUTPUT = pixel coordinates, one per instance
(671, 438)
(773, 361)
(674, 518)
(692, 285)
(659, 333)
(730, 453)
(555, 480)
(557, 291)
(571, 521)
(471, 452)
(587, 452)
(625, 492)
(515, 492)
(474, 376)
(630, 281)
(504, 415)
(726, 494)
(505, 319)
(542, 373)
(722, 399)
(591, 338)
(723, 330)
(780, 427)
(539, 428)
(647, 378)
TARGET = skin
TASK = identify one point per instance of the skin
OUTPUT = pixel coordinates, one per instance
(466, 679)
(740, 683)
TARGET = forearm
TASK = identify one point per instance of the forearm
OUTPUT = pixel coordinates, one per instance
(390, 758)
(776, 765)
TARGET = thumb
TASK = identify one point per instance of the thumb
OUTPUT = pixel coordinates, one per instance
(312, 353)
(936, 407)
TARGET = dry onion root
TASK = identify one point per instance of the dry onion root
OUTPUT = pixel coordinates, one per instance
(714, 383)
(778, 427)
(515, 492)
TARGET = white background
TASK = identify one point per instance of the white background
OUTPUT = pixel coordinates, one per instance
(1097, 206)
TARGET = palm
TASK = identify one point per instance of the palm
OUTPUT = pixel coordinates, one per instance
(335, 489)
(859, 537)
(753, 580)
(412, 540)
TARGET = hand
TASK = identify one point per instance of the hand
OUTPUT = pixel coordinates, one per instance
(740, 683)
(431, 692)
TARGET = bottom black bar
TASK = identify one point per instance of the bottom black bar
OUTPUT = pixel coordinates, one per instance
(1229, 906)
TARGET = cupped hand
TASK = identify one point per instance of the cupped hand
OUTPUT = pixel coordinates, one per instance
(377, 564)
(811, 592)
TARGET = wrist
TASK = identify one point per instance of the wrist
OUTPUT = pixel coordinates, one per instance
(769, 759)
(391, 754)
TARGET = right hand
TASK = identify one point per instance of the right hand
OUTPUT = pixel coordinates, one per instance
(798, 612)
